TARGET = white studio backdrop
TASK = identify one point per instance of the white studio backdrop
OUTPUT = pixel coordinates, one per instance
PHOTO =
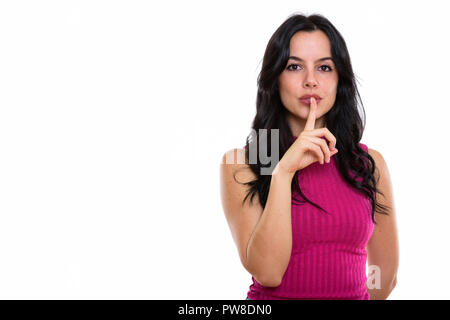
(114, 116)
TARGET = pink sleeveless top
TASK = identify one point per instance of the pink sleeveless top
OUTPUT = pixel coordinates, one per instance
(328, 259)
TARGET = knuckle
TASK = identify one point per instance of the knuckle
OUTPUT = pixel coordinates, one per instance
(324, 144)
(318, 150)
(329, 133)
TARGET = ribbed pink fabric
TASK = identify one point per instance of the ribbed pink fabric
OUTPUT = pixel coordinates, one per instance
(328, 259)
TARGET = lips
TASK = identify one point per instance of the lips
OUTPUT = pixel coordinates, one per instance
(307, 100)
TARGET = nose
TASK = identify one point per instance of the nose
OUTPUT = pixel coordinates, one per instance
(310, 84)
(310, 81)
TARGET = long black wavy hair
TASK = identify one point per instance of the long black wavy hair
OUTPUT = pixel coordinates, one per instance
(343, 119)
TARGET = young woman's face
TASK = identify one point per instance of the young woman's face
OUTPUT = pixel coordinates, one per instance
(310, 75)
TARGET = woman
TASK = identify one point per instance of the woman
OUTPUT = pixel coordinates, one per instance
(327, 208)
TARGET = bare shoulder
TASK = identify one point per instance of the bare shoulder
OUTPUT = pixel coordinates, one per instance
(234, 156)
(235, 163)
(375, 153)
(380, 163)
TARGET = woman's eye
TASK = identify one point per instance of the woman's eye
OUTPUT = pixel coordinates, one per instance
(327, 67)
(292, 65)
(321, 67)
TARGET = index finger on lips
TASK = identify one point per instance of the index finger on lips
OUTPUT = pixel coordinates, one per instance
(310, 122)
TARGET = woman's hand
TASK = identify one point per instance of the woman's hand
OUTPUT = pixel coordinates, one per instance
(309, 146)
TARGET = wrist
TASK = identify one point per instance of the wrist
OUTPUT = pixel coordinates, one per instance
(280, 171)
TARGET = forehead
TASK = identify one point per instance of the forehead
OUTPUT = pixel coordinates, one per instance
(310, 45)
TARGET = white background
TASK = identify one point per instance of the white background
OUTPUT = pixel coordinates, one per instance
(114, 116)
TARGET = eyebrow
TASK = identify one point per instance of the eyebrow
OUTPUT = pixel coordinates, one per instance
(321, 59)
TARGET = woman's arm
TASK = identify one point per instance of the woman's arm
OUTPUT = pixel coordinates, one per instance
(271, 242)
(263, 237)
(383, 246)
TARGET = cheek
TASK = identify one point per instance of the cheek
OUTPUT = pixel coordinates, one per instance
(288, 90)
(289, 86)
(331, 87)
